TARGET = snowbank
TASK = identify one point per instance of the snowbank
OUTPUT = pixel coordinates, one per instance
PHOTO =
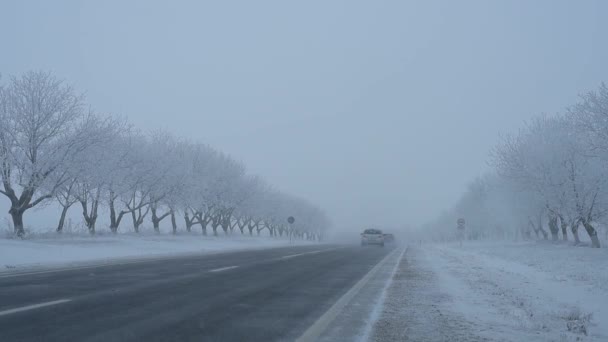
(76, 249)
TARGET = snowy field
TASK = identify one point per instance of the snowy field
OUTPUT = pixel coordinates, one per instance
(497, 292)
(69, 250)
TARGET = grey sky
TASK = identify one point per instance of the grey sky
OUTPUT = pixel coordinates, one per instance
(379, 111)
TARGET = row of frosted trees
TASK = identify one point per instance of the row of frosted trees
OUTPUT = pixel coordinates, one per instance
(53, 149)
(549, 180)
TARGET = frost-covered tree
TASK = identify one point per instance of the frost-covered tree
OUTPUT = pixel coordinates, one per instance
(41, 134)
(551, 178)
(52, 149)
(98, 167)
(169, 156)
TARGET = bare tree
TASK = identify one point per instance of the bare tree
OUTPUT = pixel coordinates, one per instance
(51, 148)
(39, 137)
(66, 197)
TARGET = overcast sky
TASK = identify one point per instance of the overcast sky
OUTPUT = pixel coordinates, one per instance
(379, 111)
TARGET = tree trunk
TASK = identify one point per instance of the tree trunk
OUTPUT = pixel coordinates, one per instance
(188, 222)
(574, 230)
(595, 241)
(19, 206)
(232, 226)
(204, 220)
(64, 212)
(564, 231)
(541, 229)
(17, 216)
(155, 221)
(156, 224)
(173, 223)
(90, 219)
(553, 228)
(242, 227)
(91, 225)
(115, 222)
(113, 227)
(135, 223)
(531, 224)
(564, 226)
(113, 219)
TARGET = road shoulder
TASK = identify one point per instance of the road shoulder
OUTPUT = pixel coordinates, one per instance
(417, 309)
(354, 321)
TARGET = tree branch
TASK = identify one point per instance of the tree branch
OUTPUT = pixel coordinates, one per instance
(36, 202)
(164, 215)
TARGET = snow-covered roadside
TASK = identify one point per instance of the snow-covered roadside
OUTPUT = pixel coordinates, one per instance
(69, 250)
(529, 291)
(417, 309)
(497, 292)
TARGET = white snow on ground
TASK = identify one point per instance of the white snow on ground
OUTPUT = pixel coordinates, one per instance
(498, 292)
(543, 291)
(415, 307)
(64, 250)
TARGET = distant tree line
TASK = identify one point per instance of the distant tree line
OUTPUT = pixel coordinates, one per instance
(549, 180)
(54, 149)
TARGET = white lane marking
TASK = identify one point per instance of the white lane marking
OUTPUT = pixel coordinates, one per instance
(314, 331)
(223, 269)
(299, 254)
(33, 306)
(311, 252)
(376, 311)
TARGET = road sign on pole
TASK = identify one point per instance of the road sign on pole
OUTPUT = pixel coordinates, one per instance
(291, 220)
(461, 225)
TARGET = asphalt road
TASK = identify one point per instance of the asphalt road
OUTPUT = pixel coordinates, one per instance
(263, 295)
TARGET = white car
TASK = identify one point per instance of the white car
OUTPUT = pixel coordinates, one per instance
(372, 237)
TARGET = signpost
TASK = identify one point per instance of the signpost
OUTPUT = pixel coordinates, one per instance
(461, 226)
(290, 220)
